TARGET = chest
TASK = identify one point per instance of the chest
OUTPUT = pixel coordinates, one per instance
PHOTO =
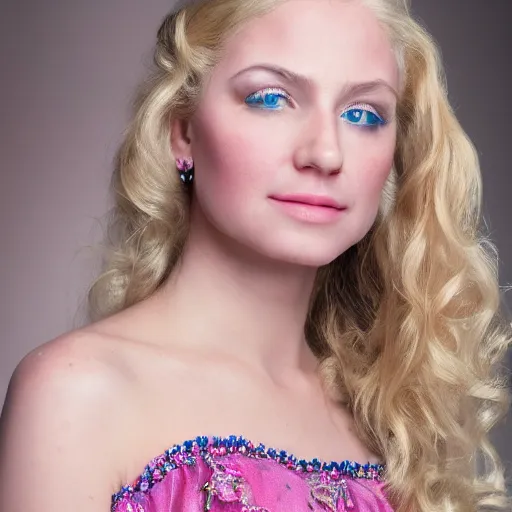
(161, 417)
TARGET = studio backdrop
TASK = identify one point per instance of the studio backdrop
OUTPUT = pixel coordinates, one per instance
(68, 74)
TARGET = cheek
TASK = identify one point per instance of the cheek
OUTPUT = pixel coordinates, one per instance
(378, 170)
(233, 165)
(369, 168)
(371, 165)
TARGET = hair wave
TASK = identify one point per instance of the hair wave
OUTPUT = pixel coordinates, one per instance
(420, 289)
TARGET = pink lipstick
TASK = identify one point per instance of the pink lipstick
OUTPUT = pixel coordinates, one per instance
(317, 209)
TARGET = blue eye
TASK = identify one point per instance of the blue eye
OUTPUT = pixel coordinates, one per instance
(270, 98)
(363, 115)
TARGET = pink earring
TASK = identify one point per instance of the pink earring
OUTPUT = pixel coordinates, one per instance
(185, 167)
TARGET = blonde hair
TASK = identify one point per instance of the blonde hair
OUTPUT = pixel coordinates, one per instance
(406, 323)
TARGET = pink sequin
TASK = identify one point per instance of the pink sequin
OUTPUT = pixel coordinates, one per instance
(235, 476)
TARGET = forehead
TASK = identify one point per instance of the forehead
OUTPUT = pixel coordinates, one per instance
(324, 39)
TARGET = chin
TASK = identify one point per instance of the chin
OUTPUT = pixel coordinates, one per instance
(306, 245)
(311, 255)
(312, 260)
(296, 246)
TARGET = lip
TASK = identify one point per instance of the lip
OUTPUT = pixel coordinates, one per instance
(315, 209)
(309, 199)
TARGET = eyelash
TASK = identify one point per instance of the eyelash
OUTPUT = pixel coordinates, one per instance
(260, 95)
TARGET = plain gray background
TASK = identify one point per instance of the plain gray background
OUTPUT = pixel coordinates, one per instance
(68, 72)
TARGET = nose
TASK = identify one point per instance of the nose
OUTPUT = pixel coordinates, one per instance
(319, 146)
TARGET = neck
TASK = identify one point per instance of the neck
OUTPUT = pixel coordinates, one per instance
(234, 301)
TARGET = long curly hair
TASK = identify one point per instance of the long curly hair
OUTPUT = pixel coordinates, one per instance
(406, 324)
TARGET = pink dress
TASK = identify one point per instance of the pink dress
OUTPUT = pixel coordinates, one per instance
(233, 475)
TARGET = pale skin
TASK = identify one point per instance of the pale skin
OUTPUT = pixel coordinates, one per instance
(220, 349)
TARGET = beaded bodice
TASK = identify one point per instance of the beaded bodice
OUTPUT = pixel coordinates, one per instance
(233, 475)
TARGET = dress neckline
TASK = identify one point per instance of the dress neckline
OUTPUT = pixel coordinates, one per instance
(186, 454)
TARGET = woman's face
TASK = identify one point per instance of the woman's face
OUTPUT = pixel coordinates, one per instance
(295, 133)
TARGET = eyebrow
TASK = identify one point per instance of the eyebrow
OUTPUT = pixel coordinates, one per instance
(304, 81)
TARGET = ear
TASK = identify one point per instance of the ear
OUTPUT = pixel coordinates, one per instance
(180, 138)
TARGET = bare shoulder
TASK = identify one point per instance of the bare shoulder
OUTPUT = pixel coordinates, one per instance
(58, 426)
(79, 366)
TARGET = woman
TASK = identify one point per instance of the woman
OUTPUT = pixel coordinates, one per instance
(296, 260)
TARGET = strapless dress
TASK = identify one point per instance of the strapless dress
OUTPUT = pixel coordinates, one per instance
(231, 474)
